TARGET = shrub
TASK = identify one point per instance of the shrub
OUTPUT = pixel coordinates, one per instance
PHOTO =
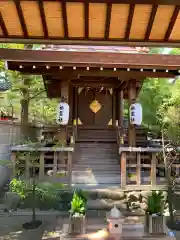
(47, 194)
(78, 203)
(155, 203)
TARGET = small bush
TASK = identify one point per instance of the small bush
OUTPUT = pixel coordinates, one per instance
(47, 194)
(78, 203)
(155, 203)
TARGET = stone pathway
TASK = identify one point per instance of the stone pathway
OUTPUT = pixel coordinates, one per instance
(53, 228)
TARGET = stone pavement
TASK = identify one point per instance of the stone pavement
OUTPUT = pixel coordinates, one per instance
(53, 228)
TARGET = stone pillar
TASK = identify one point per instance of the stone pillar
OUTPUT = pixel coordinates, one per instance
(131, 99)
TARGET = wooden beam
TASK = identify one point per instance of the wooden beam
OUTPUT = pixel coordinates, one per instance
(92, 59)
(43, 18)
(151, 21)
(70, 75)
(3, 26)
(108, 20)
(162, 2)
(65, 24)
(172, 22)
(129, 22)
(21, 17)
(86, 19)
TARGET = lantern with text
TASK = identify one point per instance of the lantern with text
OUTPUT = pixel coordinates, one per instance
(135, 114)
(62, 113)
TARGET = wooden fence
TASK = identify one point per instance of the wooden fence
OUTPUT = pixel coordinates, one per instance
(61, 160)
(141, 160)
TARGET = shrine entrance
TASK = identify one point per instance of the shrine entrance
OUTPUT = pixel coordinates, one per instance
(94, 107)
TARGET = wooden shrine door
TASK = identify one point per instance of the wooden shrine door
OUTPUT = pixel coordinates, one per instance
(94, 107)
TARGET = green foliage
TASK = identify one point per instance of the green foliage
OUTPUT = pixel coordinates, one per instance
(153, 94)
(155, 203)
(78, 203)
(19, 187)
(46, 194)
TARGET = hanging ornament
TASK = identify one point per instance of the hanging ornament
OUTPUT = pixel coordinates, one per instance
(80, 90)
(101, 89)
(111, 91)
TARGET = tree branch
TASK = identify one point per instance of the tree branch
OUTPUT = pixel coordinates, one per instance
(30, 98)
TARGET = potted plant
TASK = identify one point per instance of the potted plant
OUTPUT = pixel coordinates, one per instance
(77, 213)
(155, 221)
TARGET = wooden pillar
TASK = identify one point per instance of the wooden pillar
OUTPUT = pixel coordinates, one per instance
(153, 170)
(55, 164)
(123, 169)
(41, 166)
(114, 109)
(76, 106)
(65, 90)
(69, 168)
(131, 99)
(70, 102)
(13, 160)
(121, 108)
(138, 169)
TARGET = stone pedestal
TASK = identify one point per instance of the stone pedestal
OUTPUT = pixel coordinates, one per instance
(134, 230)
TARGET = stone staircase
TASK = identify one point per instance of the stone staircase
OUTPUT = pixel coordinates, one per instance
(96, 159)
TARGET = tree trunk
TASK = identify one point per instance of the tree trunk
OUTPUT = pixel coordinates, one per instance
(24, 117)
(25, 103)
(168, 177)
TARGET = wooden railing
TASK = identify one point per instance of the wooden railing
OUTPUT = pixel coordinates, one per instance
(142, 160)
(60, 156)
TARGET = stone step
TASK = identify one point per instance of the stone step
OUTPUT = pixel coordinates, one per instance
(102, 145)
(96, 161)
(95, 167)
(99, 172)
(95, 180)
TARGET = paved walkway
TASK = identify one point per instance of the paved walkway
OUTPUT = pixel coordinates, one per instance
(53, 228)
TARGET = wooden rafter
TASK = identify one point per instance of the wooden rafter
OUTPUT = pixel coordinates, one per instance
(162, 2)
(151, 21)
(21, 17)
(86, 19)
(147, 35)
(129, 22)
(172, 22)
(108, 20)
(3, 26)
(43, 18)
(64, 14)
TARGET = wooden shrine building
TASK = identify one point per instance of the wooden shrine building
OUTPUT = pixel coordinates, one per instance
(95, 82)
